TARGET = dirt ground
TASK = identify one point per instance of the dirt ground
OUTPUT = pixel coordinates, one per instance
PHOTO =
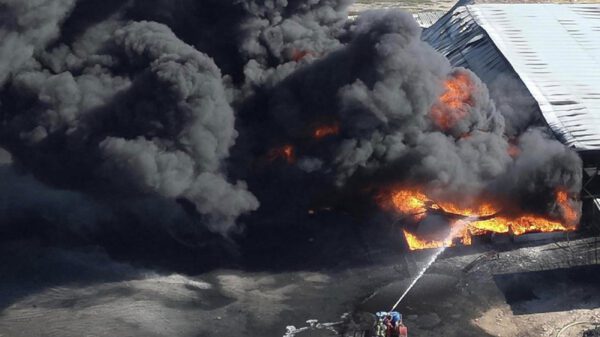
(412, 6)
(521, 292)
(415, 6)
(526, 292)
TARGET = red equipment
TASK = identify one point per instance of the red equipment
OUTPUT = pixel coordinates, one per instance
(402, 331)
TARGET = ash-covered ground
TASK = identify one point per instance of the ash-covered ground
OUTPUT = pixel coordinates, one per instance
(523, 291)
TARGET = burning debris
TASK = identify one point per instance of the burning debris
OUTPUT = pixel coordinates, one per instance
(484, 217)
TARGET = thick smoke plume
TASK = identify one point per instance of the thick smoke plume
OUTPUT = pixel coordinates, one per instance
(211, 107)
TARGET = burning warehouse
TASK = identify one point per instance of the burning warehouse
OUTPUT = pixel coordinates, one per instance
(297, 98)
(540, 63)
(191, 136)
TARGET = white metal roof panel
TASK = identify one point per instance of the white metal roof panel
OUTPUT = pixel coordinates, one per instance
(426, 19)
(555, 50)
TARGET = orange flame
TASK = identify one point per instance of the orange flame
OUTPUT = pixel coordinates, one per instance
(415, 243)
(285, 152)
(411, 203)
(568, 212)
(326, 130)
(415, 203)
(453, 105)
(484, 209)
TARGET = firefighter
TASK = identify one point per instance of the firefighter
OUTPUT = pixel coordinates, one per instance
(393, 325)
(380, 328)
(389, 326)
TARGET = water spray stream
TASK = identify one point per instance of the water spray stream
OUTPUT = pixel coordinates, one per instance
(421, 273)
(461, 225)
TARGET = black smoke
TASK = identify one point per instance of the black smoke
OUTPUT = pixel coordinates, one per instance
(152, 119)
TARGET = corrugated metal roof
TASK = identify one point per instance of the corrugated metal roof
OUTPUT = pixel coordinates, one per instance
(554, 49)
(426, 19)
(465, 44)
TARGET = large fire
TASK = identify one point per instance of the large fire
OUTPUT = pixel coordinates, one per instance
(453, 105)
(479, 219)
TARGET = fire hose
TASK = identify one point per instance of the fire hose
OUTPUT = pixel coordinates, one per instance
(574, 324)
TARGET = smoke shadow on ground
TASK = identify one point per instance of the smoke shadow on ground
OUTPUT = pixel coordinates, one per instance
(30, 264)
(28, 267)
(551, 290)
